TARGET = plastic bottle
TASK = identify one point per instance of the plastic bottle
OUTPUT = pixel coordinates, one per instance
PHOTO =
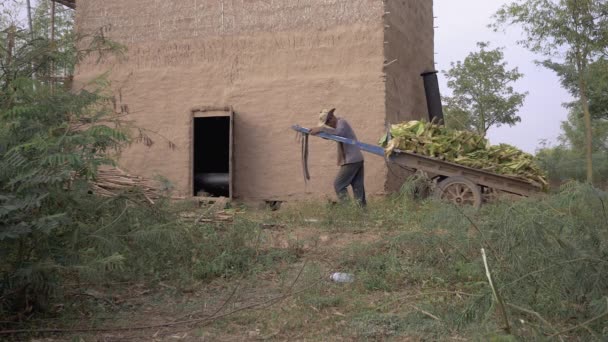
(342, 277)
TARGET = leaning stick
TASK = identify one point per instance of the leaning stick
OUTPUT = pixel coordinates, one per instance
(501, 305)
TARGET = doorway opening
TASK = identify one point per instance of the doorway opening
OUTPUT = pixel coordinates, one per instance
(212, 152)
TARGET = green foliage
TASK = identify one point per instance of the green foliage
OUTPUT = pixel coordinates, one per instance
(455, 116)
(566, 162)
(373, 325)
(50, 140)
(573, 133)
(552, 27)
(574, 35)
(52, 228)
(26, 54)
(320, 301)
(596, 78)
(547, 255)
(232, 252)
(482, 94)
(378, 267)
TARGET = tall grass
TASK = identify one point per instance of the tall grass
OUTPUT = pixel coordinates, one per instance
(548, 256)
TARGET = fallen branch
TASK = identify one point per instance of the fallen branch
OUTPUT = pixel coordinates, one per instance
(535, 314)
(426, 313)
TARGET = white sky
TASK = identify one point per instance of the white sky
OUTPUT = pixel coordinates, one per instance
(463, 23)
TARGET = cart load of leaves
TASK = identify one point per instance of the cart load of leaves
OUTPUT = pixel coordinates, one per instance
(464, 148)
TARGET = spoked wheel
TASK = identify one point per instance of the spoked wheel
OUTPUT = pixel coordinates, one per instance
(459, 191)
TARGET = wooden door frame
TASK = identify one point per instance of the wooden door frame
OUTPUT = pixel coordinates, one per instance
(207, 112)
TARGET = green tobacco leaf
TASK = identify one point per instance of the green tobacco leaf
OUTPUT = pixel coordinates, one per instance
(462, 147)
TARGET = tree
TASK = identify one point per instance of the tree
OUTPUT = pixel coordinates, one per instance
(597, 85)
(455, 117)
(49, 138)
(573, 32)
(573, 133)
(564, 162)
(482, 95)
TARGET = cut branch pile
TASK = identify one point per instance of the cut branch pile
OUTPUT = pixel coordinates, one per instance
(209, 216)
(111, 181)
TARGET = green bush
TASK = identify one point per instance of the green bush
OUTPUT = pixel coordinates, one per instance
(564, 164)
(548, 255)
(54, 229)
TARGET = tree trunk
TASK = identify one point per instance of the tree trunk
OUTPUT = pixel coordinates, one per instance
(10, 37)
(31, 27)
(52, 72)
(29, 18)
(588, 129)
(481, 129)
(10, 45)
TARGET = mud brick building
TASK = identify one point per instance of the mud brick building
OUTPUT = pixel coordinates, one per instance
(225, 79)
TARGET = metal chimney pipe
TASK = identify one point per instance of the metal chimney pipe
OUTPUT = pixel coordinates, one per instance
(433, 97)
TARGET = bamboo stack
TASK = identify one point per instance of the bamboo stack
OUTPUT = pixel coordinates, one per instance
(111, 181)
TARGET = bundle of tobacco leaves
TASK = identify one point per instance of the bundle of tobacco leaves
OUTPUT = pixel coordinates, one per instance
(464, 148)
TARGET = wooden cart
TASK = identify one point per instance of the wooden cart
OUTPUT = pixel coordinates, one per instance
(456, 183)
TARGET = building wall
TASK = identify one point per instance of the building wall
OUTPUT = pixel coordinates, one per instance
(409, 51)
(276, 63)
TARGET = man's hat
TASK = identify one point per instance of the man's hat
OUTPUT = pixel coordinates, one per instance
(324, 116)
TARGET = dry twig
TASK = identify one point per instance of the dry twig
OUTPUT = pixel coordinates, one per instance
(535, 314)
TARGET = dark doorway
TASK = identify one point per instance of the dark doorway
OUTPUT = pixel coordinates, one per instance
(211, 156)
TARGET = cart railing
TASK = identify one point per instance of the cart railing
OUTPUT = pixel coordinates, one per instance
(440, 167)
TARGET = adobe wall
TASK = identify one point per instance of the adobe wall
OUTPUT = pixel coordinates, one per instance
(409, 51)
(275, 62)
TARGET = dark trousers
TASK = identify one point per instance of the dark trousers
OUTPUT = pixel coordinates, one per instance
(351, 174)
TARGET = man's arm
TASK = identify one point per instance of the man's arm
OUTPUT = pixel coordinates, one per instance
(317, 130)
(339, 130)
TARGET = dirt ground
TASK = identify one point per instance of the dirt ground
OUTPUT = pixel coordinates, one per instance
(289, 302)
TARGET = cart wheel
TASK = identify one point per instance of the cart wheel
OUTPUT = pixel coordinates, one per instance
(459, 191)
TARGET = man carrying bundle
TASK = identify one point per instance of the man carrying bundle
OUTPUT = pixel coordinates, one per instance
(350, 158)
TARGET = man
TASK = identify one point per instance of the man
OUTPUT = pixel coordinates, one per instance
(350, 158)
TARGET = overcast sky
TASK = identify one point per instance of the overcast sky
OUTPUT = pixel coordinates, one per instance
(463, 23)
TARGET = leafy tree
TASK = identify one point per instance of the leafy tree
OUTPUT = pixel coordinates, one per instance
(573, 133)
(51, 139)
(597, 85)
(482, 95)
(455, 116)
(569, 32)
(64, 35)
(52, 226)
(565, 162)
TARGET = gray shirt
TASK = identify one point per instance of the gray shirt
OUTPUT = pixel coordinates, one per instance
(347, 154)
